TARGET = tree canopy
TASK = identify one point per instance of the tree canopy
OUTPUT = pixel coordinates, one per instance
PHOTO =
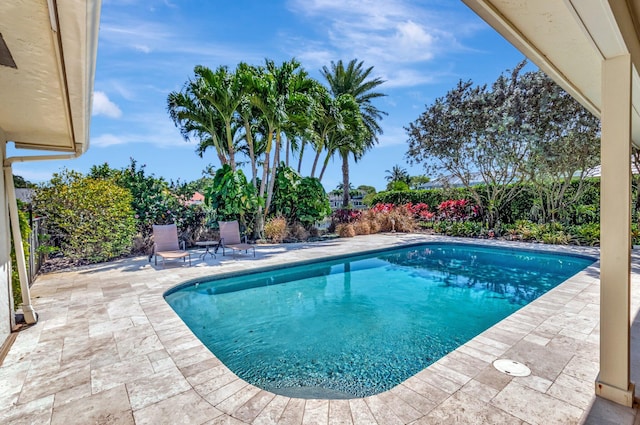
(523, 128)
(269, 113)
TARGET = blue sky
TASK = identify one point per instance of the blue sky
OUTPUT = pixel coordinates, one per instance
(148, 48)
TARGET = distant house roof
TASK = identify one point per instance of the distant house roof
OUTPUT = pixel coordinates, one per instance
(451, 181)
(25, 195)
(196, 199)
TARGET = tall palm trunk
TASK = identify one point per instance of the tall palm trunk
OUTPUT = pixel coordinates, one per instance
(302, 145)
(263, 184)
(222, 158)
(287, 149)
(345, 179)
(252, 153)
(272, 176)
(325, 164)
(232, 157)
(315, 162)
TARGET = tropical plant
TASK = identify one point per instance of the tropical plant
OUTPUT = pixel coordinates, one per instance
(196, 117)
(397, 174)
(355, 81)
(282, 94)
(258, 111)
(232, 196)
(299, 199)
(345, 216)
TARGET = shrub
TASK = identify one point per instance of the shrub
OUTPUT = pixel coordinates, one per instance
(420, 211)
(457, 209)
(298, 199)
(313, 202)
(298, 232)
(393, 218)
(520, 207)
(275, 229)
(556, 238)
(589, 234)
(362, 227)
(88, 219)
(345, 216)
(345, 230)
(153, 203)
(372, 219)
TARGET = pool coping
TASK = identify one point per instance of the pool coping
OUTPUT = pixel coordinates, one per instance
(130, 354)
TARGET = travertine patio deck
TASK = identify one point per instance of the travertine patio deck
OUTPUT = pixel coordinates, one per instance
(108, 349)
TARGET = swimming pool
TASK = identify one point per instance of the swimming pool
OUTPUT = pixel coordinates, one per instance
(358, 326)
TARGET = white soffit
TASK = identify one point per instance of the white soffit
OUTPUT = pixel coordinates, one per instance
(568, 39)
(46, 97)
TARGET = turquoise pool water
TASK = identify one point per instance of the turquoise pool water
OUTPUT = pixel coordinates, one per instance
(360, 325)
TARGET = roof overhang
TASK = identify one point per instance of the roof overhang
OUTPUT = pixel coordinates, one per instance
(569, 39)
(46, 79)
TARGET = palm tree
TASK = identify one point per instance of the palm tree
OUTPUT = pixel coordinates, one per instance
(299, 105)
(279, 93)
(195, 117)
(206, 108)
(248, 115)
(345, 133)
(223, 91)
(397, 174)
(354, 80)
(327, 118)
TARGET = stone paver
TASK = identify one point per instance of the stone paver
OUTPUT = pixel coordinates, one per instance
(108, 349)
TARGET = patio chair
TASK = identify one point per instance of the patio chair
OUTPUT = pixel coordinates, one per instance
(165, 244)
(230, 238)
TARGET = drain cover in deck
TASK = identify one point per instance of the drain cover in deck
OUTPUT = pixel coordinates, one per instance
(511, 367)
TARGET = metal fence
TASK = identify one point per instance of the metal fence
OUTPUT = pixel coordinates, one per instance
(36, 258)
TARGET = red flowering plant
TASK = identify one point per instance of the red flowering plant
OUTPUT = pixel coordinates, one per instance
(457, 210)
(420, 211)
(383, 208)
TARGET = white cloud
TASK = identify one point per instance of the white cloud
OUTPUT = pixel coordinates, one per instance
(395, 36)
(142, 48)
(106, 140)
(406, 77)
(392, 137)
(315, 58)
(103, 106)
(157, 131)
